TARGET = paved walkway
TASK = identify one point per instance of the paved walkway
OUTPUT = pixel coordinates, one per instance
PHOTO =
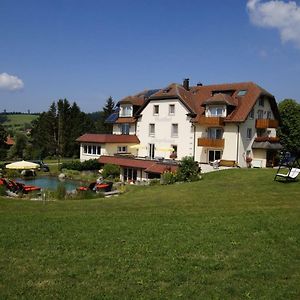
(206, 168)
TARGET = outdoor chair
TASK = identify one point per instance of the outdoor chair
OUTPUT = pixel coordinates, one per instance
(290, 176)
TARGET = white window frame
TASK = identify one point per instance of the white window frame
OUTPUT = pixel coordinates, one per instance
(123, 127)
(125, 111)
(122, 149)
(260, 114)
(152, 129)
(174, 130)
(261, 102)
(249, 133)
(171, 109)
(155, 109)
(90, 149)
(215, 133)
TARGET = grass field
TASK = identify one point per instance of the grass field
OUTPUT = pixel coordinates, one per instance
(18, 121)
(233, 235)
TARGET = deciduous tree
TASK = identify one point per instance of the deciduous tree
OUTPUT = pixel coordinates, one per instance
(289, 130)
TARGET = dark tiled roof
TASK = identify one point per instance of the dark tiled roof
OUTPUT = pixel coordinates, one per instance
(108, 138)
(220, 98)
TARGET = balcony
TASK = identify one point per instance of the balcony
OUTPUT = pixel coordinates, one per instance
(213, 143)
(211, 121)
(266, 123)
(270, 139)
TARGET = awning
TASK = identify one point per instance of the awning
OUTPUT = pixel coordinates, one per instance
(267, 146)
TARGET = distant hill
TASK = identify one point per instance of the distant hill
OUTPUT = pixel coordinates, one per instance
(18, 122)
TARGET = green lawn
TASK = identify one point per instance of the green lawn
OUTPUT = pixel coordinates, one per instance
(233, 235)
(17, 122)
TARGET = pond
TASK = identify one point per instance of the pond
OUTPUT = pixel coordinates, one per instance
(51, 183)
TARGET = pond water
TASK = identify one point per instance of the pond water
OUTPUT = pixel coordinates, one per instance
(51, 183)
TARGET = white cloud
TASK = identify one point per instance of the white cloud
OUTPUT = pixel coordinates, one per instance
(284, 16)
(10, 82)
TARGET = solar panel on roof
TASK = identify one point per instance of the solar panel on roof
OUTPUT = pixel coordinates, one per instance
(113, 117)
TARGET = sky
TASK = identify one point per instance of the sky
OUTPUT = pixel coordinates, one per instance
(86, 51)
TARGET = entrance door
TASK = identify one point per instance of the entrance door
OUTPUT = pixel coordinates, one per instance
(151, 151)
(130, 174)
(214, 155)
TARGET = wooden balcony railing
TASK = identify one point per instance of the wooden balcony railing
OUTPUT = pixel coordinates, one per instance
(211, 121)
(207, 142)
(270, 139)
(266, 123)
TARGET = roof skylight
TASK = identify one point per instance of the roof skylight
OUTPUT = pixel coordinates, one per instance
(242, 93)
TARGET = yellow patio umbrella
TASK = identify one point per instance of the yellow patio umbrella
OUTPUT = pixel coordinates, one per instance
(22, 165)
(167, 149)
(137, 146)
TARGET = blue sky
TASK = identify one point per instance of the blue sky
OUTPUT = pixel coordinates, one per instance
(86, 51)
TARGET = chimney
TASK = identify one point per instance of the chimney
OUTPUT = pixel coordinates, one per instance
(186, 84)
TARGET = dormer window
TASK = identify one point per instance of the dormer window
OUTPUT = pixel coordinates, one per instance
(215, 111)
(125, 111)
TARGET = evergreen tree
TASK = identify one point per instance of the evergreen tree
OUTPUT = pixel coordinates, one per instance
(107, 110)
(55, 132)
(3, 136)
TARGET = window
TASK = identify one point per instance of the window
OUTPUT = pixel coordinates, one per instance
(126, 111)
(173, 155)
(92, 149)
(269, 115)
(214, 155)
(215, 133)
(175, 148)
(261, 102)
(151, 150)
(242, 93)
(125, 128)
(216, 111)
(151, 129)
(260, 131)
(174, 130)
(251, 114)
(122, 149)
(260, 114)
(155, 109)
(172, 109)
(249, 133)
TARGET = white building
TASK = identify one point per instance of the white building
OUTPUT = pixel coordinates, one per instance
(234, 123)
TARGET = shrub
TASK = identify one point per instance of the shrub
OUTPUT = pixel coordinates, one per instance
(154, 182)
(188, 169)
(168, 178)
(91, 164)
(110, 170)
(2, 190)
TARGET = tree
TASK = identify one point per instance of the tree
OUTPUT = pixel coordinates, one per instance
(3, 136)
(188, 169)
(289, 130)
(108, 109)
(55, 132)
(17, 149)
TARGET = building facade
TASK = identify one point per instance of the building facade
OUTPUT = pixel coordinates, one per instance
(234, 122)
